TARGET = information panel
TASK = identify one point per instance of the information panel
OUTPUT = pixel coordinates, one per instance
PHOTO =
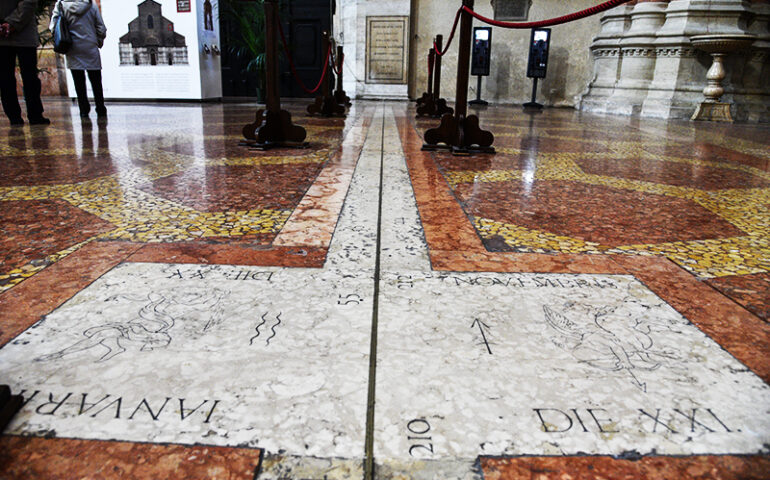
(164, 49)
(386, 47)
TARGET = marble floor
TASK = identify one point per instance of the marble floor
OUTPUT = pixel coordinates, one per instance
(592, 301)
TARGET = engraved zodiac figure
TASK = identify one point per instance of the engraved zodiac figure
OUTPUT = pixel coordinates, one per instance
(150, 328)
(613, 341)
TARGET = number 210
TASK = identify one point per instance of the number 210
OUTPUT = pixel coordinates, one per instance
(420, 428)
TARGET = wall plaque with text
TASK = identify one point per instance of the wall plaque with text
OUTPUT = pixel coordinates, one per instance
(386, 48)
(511, 9)
(182, 6)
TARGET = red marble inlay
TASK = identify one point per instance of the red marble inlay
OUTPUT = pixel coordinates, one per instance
(446, 226)
(671, 173)
(701, 467)
(230, 253)
(596, 213)
(66, 459)
(229, 148)
(30, 230)
(751, 291)
(222, 188)
(523, 262)
(54, 169)
(448, 162)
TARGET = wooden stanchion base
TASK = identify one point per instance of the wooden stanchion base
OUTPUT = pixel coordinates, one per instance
(462, 136)
(342, 98)
(424, 98)
(533, 107)
(274, 130)
(434, 108)
(326, 106)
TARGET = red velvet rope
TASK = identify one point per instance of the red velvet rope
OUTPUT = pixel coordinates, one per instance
(553, 21)
(294, 70)
(451, 35)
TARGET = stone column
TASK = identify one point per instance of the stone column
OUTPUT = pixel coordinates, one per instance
(637, 58)
(752, 101)
(680, 70)
(605, 50)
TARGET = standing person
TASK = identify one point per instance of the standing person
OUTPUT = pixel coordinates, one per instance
(18, 39)
(88, 32)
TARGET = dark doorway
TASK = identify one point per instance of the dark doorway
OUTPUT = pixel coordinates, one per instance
(303, 21)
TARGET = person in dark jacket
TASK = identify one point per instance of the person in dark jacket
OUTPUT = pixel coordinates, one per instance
(88, 32)
(18, 39)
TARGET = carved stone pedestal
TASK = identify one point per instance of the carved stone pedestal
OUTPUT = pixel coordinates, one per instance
(713, 112)
(718, 46)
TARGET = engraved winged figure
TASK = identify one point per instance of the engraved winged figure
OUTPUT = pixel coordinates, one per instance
(609, 341)
(149, 328)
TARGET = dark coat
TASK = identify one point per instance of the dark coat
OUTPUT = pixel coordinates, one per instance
(20, 14)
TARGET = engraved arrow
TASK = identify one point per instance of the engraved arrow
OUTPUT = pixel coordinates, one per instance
(482, 325)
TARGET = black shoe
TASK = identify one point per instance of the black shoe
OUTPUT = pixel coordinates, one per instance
(16, 122)
(39, 121)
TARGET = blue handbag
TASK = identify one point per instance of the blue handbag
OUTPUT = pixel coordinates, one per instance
(62, 40)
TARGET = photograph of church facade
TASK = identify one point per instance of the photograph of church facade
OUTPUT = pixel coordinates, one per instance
(151, 39)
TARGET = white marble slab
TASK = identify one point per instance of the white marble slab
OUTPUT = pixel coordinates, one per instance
(403, 241)
(354, 245)
(223, 355)
(275, 358)
(553, 364)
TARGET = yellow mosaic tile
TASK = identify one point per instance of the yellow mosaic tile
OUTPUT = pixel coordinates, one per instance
(713, 258)
(143, 217)
(536, 241)
(747, 209)
(486, 176)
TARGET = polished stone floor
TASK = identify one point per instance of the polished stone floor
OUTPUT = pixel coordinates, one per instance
(592, 301)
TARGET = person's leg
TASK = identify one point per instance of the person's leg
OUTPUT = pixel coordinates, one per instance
(10, 100)
(79, 79)
(32, 87)
(95, 77)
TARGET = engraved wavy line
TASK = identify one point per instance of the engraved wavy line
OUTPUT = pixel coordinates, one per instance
(264, 321)
(273, 327)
